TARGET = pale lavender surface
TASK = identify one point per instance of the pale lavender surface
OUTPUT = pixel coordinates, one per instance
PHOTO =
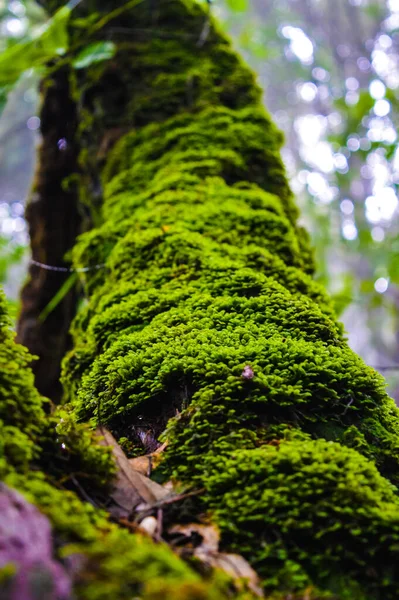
(26, 543)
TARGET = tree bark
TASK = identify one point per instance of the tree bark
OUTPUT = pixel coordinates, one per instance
(54, 221)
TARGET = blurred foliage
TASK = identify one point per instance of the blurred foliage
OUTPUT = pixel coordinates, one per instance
(18, 22)
(11, 254)
(95, 52)
(35, 49)
(330, 71)
(28, 41)
(29, 46)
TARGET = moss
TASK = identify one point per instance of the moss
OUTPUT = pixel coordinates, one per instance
(162, 350)
(204, 327)
(311, 503)
(240, 145)
(111, 562)
(21, 406)
(42, 456)
(32, 437)
(148, 570)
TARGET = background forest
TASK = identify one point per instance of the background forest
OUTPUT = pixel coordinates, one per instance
(330, 75)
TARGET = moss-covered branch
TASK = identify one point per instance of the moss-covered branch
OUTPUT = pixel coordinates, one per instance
(205, 326)
(82, 555)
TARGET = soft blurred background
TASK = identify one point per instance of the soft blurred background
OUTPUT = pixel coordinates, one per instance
(330, 75)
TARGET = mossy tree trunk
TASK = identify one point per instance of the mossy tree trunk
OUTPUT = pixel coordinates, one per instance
(203, 325)
(54, 222)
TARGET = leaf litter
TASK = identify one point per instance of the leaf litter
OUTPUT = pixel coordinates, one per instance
(137, 502)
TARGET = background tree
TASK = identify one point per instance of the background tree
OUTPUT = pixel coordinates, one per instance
(330, 75)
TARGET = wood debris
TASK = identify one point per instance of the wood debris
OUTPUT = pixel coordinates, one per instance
(203, 541)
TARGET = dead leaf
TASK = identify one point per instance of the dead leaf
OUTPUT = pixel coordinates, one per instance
(131, 488)
(209, 535)
(204, 540)
(161, 448)
(237, 567)
(144, 464)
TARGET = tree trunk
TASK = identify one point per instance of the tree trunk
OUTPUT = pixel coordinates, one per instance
(203, 326)
(53, 217)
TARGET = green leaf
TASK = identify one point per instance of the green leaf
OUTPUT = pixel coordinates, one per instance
(49, 41)
(3, 98)
(93, 53)
(238, 5)
(247, 40)
(59, 296)
(54, 39)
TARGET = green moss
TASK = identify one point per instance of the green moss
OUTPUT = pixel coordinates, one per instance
(123, 567)
(21, 406)
(111, 562)
(204, 327)
(239, 145)
(314, 504)
(165, 349)
(32, 437)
